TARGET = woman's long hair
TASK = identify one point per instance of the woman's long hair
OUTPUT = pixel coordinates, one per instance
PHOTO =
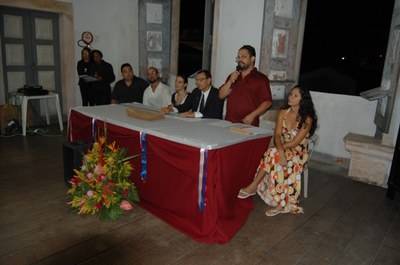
(306, 109)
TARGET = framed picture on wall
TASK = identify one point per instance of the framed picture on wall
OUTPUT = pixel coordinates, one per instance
(154, 41)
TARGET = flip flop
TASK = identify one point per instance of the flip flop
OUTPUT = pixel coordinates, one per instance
(243, 195)
(273, 212)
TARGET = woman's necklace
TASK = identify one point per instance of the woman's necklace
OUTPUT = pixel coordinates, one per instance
(180, 97)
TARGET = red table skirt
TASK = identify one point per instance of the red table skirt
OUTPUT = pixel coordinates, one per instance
(171, 190)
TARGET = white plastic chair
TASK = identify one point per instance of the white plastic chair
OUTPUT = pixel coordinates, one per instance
(312, 143)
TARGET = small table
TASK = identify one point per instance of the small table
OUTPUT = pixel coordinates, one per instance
(51, 95)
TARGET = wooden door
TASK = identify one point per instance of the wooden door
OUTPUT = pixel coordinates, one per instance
(155, 36)
(281, 44)
(30, 50)
(390, 75)
(394, 177)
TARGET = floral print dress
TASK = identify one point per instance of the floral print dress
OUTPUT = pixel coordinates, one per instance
(282, 185)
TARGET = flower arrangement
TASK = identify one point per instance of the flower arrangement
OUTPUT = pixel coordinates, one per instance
(102, 185)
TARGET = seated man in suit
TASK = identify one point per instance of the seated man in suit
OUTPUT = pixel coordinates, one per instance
(205, 101)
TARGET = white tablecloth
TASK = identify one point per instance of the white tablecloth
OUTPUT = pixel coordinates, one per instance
(202, 133)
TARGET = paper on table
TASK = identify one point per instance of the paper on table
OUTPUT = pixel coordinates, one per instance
(172, 113)
(87, 78)
(178, 117)
(248, 129)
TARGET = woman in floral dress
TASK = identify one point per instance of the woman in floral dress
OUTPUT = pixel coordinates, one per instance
(278, 177)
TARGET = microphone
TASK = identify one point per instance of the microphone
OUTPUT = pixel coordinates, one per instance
(238, 69)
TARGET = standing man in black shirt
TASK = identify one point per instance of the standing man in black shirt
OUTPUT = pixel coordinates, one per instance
(104, 73)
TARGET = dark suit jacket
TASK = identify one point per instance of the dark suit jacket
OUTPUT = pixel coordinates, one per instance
(214, 105)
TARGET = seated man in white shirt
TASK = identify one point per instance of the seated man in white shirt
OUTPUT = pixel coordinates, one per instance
(156, 94)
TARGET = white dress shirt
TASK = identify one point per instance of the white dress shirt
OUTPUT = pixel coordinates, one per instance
(197, 113)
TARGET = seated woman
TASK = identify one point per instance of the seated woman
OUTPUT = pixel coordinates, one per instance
(180, 100)
(278, 177)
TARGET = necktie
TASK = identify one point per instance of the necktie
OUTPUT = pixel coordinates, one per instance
(201, 108)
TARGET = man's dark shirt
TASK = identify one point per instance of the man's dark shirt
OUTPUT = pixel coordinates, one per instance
(134, 93)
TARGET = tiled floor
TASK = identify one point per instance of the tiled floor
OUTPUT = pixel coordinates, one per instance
(345, 222)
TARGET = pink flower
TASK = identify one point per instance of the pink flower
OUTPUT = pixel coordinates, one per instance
(89, 175)
(125, 205)
(99, 169)
(89, 193)
(102, 178)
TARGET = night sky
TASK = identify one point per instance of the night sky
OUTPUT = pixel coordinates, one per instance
(345, 41)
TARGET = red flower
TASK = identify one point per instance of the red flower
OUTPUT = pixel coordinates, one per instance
(75, 181)
(98, 195)
(98, 205)
(107, 190)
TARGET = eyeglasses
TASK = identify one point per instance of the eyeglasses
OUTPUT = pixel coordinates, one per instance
(241, 57)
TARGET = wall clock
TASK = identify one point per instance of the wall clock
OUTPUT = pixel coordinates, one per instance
(87, 37)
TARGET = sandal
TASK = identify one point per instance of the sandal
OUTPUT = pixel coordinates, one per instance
(297, 211)
(273, 212)
(243, 195)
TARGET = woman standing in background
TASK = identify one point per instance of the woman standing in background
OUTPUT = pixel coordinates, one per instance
(83, 69)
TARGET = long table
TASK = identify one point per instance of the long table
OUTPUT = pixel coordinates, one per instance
(189, 171)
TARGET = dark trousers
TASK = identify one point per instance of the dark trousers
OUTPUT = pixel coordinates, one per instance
(85, 90)
(101, 93)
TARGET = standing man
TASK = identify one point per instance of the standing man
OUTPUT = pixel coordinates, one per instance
(130, 88)
(247, 90)
(205, 101)
(104, 73)
(156, 94)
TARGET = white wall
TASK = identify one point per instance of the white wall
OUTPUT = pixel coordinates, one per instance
(338, 115)
(115, 27)
(240, 23)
